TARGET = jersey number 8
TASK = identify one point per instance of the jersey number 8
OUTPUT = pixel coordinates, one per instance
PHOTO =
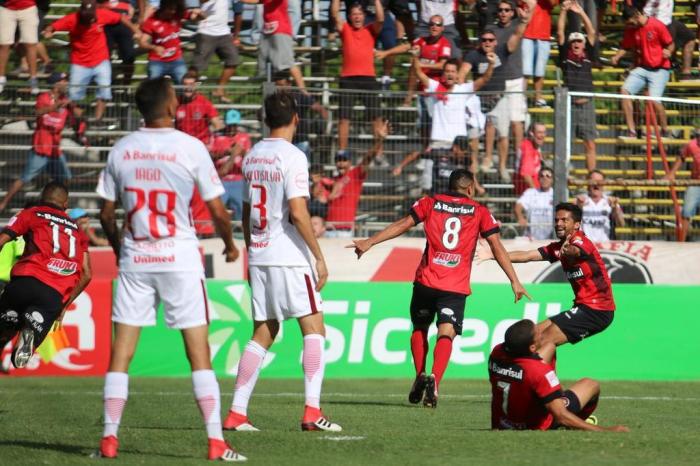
(450, 238)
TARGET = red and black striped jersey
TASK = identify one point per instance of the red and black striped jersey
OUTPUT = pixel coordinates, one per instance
(586, 273)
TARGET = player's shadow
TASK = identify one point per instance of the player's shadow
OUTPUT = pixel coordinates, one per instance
(370, 403)
(60, 447)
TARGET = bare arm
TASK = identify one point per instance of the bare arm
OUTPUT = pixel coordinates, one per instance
(561, 23)
(222, 223)
(617, 214)
(397, 228)
(145, 43)
(484, 78)
(568, 419)
(299, 213)
(525, 16)
(379, 16)
(217, 123)
(405, 162)
(335, 12)
(676, 166)
(422, 77)
(464, 70)
(377, 148)
(501, 256)
(108, 220)
(398, 50)
(519, 212)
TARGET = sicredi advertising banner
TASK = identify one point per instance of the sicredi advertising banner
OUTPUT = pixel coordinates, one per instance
(653, 335)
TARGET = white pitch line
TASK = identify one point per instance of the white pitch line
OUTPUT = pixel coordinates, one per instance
(331, 394)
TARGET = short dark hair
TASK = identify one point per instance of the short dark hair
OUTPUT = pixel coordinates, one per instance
(316, 168)
(489, 30)
(576, 212)
(355, 5)
(53, 189)
(545, 169)
(519, 337)
(179, 6)
(192, 73)
(450, 61)
(629, 11)
(458, 177)
(280, 109)
(595, 170)
(151, 97)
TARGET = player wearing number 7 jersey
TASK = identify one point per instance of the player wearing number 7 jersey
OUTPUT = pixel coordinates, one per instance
(54, 269)
(281, 248)
(453, 223)
(153, 173)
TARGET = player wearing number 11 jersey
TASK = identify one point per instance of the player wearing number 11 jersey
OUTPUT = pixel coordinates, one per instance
(453, 223)
(153, 173)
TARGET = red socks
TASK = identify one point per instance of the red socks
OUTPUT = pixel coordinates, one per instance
(441, 356)
(419, 349)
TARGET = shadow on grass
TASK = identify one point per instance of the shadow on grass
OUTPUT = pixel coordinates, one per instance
(370, 403)
(81, 450)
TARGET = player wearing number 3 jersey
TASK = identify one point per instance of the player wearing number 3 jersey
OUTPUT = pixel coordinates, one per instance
(453, 223)
(153, 173)
(53, 270)
(281, 243)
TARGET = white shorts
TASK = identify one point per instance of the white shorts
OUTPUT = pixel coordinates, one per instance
(183, 295)
(516, 99)
(281, 293)
(27, 20)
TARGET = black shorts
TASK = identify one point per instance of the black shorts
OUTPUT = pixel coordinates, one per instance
(368, 95)
(680, 33)
(581, 322)
(426, 302)
(27, 301)
(572, 403)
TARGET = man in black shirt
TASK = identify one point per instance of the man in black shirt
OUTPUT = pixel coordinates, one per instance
(575, 62)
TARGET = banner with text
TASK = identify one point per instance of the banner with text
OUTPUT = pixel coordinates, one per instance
(653, 336)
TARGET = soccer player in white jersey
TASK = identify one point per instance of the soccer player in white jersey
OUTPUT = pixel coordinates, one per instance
(281, 250)
(152, 173)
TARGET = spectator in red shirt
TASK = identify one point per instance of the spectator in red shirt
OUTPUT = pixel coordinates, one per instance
(358, 71)
(161, 37)
(53, 110)
(347, 187)
(320, 190)
(195, 113)
(89, 55)
(650, 40)
(228, 150)
(691, 201)
(24, 15)
(530, 159)
(536, 46)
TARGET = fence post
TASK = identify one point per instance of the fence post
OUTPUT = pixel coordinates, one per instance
(561, 134)
(269, 88)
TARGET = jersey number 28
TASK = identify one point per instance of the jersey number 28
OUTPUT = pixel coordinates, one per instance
(154, 212)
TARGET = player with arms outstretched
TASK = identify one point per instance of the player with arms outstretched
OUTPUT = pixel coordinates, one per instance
(53, 270)
(153, 173)
(526, 393)
(281, 250)
(453, 223)
(594, 306)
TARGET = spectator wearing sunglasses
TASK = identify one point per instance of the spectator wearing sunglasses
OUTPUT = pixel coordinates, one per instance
(601, 213)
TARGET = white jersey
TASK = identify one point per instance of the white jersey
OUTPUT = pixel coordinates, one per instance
(596, 219)
(660, 9)
(540, 214)
(449, 111)
(153, 174)
(444, 8)
(215, 22)
(275, 171)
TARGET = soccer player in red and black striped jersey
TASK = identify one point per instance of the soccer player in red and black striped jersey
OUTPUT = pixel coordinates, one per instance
(594, 306)
(52, 272)
(525, 389)
(453, 223)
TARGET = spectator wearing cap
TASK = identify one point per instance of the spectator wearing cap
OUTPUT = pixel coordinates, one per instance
(530, 161)
(22, 15)
(575, 61)
(313, 117)
(601, 213)
(82, 218)
(347, 187)
(228, 150)
(54, 109)
(89, 55)
(650, 40)
(534, 209)
(214, 36)
(357, 72)
(691, 201)
(536, 46)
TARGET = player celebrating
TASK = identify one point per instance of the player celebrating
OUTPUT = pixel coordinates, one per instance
(526, 393)
(453, 222)
(52, 272)
(153, 173)
(594, 307)
(280, 241)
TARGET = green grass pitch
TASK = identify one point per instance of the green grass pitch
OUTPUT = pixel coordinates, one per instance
(58, 421)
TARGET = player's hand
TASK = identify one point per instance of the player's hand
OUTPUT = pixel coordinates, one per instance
(575, 7)
(159, 50)
(618, 429)
(361, 246)
(231, 254)
(519, 291)
(580, 199)
(396, 171)
(380, 54)
(483, 253)
(666, 53)
(322, 273)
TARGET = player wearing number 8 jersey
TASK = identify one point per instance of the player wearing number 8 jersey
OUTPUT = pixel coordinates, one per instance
(453, 223)
(153, 173)
(281, 243)
(53, 270)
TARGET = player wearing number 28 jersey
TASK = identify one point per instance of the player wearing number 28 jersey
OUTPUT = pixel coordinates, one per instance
(453, 223)
(153, 174)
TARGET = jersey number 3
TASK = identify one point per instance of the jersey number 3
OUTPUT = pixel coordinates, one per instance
(262, 210)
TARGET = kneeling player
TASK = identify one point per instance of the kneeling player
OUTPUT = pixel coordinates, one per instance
(525, 390)
(54, 269)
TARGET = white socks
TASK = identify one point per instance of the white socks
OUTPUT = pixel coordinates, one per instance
(206, 392)
(248, 371)
(115, 394)
(314, 366)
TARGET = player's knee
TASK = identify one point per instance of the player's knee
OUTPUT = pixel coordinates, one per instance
(592, 384)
